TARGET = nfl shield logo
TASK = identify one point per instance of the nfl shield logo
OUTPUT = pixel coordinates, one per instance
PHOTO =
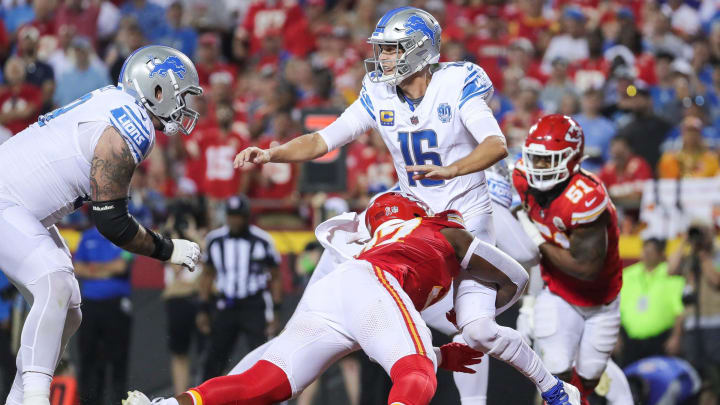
(414, 120)
(444, 112)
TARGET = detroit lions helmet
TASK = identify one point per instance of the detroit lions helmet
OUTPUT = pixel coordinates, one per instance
(160, 77)
(411, 29)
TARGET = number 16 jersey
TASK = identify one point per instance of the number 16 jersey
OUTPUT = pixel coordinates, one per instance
(448, 123)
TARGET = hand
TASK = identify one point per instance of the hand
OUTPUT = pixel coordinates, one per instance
(526, 320)
(202, 321)
(432, 172)
(530, 228)
(185, 253)
(252, 154)
(673, 346)
(452, 317)
(457, 356)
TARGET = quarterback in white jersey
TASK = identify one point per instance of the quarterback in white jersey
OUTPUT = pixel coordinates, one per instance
(436, 123)
(84, 151)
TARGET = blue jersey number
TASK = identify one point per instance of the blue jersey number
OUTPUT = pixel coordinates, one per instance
(417, 156)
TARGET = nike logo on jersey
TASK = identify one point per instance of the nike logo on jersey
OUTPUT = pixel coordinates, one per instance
(589, 203)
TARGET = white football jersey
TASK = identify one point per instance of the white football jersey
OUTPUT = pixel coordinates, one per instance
(436, 131)
(46, 167)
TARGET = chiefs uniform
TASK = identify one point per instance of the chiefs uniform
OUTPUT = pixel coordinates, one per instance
(418, 256)
(372, 302)
(581, 202)
(576, 322)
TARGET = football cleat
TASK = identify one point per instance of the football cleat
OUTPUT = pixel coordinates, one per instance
(138, 398)
(562, 394)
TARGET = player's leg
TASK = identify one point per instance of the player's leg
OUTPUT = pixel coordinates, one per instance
(471, 387)
(313, 339)
(601, 330)
(482, 333)
(511, 239)
(34, 259)
(558, 330)
(391, 332)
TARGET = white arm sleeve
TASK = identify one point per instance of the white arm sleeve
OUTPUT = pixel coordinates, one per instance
(352, 123)
(479, 120)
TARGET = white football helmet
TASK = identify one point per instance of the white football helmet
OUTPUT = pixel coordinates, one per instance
(411, 29)
(160, 77)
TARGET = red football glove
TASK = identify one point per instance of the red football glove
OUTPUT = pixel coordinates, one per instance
(457, 356)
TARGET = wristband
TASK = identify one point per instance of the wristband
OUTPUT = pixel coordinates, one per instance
(163, 246)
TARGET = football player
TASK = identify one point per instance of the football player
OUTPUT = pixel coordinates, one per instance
(435, 121)
(373, 303)
(84, 151)
(569, 216)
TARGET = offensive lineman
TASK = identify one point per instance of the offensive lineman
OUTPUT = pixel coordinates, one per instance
(86, 150)
(569, 216)
(425, 113)
(373, 303)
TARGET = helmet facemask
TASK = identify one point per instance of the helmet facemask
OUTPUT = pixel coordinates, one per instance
(182, 118)
(402, 68)
(556, 172)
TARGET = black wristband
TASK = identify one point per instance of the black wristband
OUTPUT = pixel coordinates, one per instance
(163, 246)
(276, 307)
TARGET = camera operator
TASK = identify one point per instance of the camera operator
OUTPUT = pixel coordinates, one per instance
(698, 260)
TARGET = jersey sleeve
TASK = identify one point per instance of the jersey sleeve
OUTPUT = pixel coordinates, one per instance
(475, 113)
(448, 219)
(357, 119)
(587, 200)
(136, 128)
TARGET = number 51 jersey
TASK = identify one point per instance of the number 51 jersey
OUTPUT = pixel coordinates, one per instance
(583, 201)
(46, 167)
(433, 132)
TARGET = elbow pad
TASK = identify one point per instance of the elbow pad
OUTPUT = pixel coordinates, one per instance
(113, 220)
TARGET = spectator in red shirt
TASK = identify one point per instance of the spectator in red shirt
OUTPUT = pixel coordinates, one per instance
(218, 146)
(266, 16)
(81, 15)
(490, 43)
(532, 24)
(521, 55)
(624, 176)
(44, 20)
(19, 101)
(209, 59)
(276, 181)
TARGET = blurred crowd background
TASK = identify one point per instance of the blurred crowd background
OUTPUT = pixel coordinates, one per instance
(641, 77)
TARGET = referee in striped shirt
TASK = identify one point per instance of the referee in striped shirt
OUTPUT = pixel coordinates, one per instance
(242, 262)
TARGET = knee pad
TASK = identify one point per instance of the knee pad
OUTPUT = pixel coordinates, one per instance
(481, 334)
(61, 285)
(414, 381)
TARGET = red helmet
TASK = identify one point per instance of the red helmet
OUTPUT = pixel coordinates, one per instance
(393, 205)
(552, 151)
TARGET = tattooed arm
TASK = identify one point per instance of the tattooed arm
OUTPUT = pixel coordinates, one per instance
(586, 256)
(111, 169)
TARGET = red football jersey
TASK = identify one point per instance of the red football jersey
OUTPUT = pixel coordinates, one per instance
(417, 255)
(583, 201)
